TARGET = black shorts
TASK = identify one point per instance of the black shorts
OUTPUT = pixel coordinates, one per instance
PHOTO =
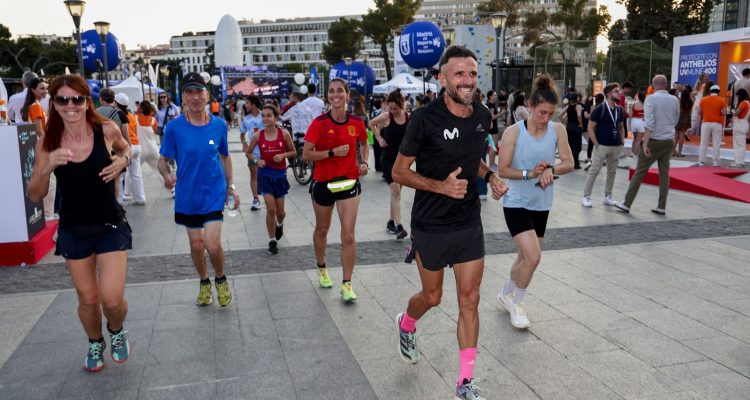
(77, 243)
(321, 195)
(521, 220)
(386, 165)
(197, 221)
(438, 250)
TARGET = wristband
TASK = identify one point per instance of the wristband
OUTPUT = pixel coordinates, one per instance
(330, 153)
(488, 176)
(553, 170)
(526, 174)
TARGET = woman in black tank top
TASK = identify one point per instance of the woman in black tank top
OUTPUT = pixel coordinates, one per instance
(93, 230)
(574, 126)
(389, 129)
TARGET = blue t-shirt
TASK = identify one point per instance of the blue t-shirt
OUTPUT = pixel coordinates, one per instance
(249, 125)
(201, 183)
(607, 124)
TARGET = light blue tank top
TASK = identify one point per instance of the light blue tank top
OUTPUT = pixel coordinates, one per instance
(528, 152)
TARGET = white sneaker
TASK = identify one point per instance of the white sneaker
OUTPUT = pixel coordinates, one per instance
(518, 315)
(701, 163)
(609, 201)
(505, 300)
(586, 201)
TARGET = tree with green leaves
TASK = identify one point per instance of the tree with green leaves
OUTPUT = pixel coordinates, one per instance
(345, 39)
(30, 53)
(381, 23)
(570, 21)
(662, 20)
(512, 8)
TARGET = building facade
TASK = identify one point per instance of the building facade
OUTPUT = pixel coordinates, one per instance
(730, 14)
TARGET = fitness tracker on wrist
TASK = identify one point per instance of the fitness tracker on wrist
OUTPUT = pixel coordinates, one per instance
(526, 174)
(330, 153)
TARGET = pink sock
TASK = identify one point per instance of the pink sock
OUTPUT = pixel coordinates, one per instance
(466, 359)
(408, 323)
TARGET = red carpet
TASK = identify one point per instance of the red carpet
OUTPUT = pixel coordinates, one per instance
(709, 181)
(30, 252)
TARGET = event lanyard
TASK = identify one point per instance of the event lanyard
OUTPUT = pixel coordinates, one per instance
(614, 119)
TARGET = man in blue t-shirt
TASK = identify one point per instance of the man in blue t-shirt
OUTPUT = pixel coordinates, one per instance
(607, 132)
(251, 124)
(198, 142)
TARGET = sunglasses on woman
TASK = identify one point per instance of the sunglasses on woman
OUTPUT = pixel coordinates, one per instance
(62, 101)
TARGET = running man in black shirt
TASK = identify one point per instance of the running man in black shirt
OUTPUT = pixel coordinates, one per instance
(447, 139)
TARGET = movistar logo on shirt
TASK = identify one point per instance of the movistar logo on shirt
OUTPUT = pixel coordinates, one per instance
(450, 135)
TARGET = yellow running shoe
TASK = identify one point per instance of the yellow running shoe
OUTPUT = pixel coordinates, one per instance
(223, 293)
(205, 297)
(347, 293)
(323, 279)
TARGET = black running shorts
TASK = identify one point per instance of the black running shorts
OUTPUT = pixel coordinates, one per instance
(520, 220)
(197, 221)
(437, 250)
(77, 243)
(323, 196)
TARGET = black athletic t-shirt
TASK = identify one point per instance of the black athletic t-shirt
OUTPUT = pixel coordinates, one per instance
(442, 142)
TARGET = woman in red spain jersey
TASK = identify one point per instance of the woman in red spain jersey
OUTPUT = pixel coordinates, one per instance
(275, 147)
(331, 142)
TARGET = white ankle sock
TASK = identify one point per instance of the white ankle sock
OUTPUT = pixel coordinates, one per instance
(520, 293)
(510, 286)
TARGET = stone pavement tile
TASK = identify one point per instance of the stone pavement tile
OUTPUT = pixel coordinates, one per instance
(687, 395)
(570, 337)
(114, 378)
(182, 292)
(292, 282)
(711, 379)
(673, 324)
(227, 323)
(312, 368)
(641, 285)
(187, 391)
(737, 326)
(579, 389)
(694, 307)
(597, 316)
(725, 350)
(293, 305)
(164, 376)
(256, 323)
(376, 276)
(496, 332)
(181, 346)
(391, 378)
(51, 328)
(620, 299)
(16, 323)
(236, 358)
(572, 276)
(739, 242)
(553, 293)
(186, 316)
(338, 390)
(741, 306)
(305, 332)
(31, 362)
(260, 386)
(143, 301)
(711, 291)
(626, 375)
(434, 321)
(120, 395)
(248, 293)
(594, 261)
(496, 382)
(393, 297)
(717, 258)
(43, 387)
(652, 347)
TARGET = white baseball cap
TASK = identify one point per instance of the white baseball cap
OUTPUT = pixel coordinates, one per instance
(715, 88)
(122, 99)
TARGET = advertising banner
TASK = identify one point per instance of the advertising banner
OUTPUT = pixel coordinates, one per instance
(27, 138)
(697, 59)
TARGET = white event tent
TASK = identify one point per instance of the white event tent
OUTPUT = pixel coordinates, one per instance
(132, 87)
(407, 83)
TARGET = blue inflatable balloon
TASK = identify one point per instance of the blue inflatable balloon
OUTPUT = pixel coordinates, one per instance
(355, 75)
(92, 50)
(421, 44)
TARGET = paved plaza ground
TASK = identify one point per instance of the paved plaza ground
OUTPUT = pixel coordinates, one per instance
(623, 306)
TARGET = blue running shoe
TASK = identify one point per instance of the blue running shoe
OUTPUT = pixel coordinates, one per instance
(468, 390)
(120, 346)
(94, 361)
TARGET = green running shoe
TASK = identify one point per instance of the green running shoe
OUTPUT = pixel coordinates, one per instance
(407, 343)
(323, 279)
(223, 293)
(94, 361)
(347, 293)
(120, 346)
(205, 297)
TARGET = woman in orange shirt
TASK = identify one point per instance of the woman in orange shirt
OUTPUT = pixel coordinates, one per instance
(740, 128)
(32, 111)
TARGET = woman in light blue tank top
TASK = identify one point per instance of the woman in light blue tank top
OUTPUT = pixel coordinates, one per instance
(527, 160)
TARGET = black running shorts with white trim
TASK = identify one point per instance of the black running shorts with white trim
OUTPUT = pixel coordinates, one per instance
(323, 196)
(437, 250)
(520, 220)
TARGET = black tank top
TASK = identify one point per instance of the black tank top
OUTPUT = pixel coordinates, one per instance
(393, 135)
(86, 199)
(572, 116)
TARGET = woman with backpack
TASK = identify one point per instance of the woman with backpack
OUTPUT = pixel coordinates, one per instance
(166, 112)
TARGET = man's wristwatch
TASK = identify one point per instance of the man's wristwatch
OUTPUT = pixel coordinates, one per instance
(330, 152)
(526, 174)
(231, 186)
(488, 176)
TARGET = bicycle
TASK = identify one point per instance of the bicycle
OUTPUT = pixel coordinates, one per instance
(301, 169)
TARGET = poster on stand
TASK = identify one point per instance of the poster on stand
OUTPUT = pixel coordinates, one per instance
(27, 138)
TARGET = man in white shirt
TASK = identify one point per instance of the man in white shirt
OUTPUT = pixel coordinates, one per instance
(312, 102)
(300, 116)
(15, 102)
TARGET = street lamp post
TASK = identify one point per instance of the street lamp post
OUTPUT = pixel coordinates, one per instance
(75, 9)
(102, 28)
(364, 57)
(593, 78)
(498, 22)
(450, 35)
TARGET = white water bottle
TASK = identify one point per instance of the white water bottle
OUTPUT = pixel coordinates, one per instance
(231, 206)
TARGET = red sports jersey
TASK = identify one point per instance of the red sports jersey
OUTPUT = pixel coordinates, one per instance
(326, 134)
(270, 148)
